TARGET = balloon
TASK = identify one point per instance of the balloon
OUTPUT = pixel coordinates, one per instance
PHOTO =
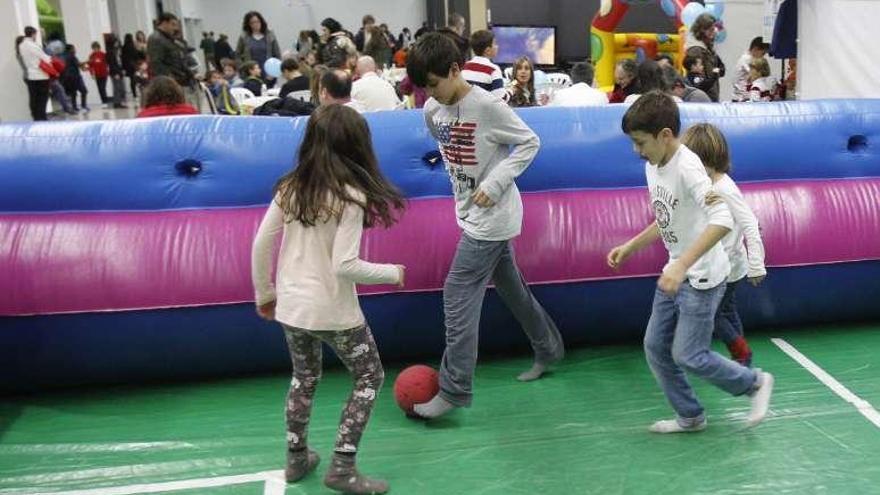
(690, 13)
(720, 36)
(715, 7)
(668, 7)
(272, 67)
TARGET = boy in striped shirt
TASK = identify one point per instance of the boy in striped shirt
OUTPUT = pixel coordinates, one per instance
(480, 71)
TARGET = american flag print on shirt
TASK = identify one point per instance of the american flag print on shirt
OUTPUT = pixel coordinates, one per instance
(457, 143)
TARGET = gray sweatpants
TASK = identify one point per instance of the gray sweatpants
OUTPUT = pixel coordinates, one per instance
(475, 263)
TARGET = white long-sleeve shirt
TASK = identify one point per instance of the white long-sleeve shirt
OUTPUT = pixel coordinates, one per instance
(32, 55)
(678, 197)
(743, 262)
(374, 93)
(318, 268)
(485, 146)
(578, 95)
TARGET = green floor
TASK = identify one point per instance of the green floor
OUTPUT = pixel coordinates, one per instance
(581, 430)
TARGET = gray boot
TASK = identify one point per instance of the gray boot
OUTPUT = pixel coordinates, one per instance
(343, 476)
(300, 463)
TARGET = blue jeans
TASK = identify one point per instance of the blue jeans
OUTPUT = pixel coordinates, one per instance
(677, 340)
(728, 326)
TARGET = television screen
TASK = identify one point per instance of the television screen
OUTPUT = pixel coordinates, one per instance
(536, 42)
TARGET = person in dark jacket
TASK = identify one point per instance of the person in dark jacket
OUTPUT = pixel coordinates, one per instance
(455, 31)
(131, 58)
(114, 63)
(222, 49)
(71, 78)
(164, 55)
(362, 36)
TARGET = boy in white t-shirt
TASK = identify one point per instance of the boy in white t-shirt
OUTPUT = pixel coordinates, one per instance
(692, 284)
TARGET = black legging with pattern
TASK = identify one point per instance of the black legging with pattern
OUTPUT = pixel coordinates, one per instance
(357, 350)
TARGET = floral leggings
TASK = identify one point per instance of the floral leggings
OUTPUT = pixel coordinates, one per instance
(357, 350)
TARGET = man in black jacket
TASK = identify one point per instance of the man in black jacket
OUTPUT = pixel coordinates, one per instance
(164, 55)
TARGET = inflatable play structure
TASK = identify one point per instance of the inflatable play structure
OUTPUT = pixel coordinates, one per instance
(125, 245)
(608, 47)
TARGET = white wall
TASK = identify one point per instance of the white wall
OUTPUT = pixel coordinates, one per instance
(288, 17)
(134, 15)
(743, 20)
(837, 49)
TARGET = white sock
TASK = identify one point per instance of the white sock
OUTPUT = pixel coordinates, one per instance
(436, 407)
(536, 371)
(673, 426)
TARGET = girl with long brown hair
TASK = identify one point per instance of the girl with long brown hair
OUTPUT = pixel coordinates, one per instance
(322, 206)
(522, 89)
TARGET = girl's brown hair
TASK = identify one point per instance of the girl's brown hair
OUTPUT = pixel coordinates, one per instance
(336, 156)
(530, 86)
(709, 144)
(162, 90)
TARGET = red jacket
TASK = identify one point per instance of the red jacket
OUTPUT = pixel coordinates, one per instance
(98, 64)
(160, 110)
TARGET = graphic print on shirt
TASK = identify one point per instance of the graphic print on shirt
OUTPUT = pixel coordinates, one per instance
(664, 204)
(458, 147)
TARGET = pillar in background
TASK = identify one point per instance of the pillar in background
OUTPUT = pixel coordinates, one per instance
(132, 16)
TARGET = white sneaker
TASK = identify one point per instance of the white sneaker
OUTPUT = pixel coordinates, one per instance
(761, 399)
(672, 426)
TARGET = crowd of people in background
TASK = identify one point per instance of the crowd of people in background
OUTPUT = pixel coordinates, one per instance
(368, 63)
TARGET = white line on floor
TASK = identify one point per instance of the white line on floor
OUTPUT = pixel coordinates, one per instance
(863, 406)
(271, 479)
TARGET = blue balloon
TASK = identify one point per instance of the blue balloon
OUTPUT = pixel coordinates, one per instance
(720, 36)
(715, 7)
(690, 13)
(272, 67)
(668, 7)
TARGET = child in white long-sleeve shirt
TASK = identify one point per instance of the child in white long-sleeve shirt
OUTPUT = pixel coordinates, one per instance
(485, 147)
(322, 207)
(709, 144)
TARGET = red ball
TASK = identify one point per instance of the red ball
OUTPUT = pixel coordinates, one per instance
(415, 385)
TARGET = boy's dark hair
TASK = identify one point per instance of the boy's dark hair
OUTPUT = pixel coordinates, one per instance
(481, 41)
(435, 54)
(95, 44)
(368, 19)
(337, 83)
(709, 144)
(163, 90)
(691, 59)
(651, 113)
(332, 25)
(673, 78)
(247, 67)
(29, 31)
(337, 155)
(758, 42)
(289, 65)
(582, 72)
(165, 17)
(650, 77)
